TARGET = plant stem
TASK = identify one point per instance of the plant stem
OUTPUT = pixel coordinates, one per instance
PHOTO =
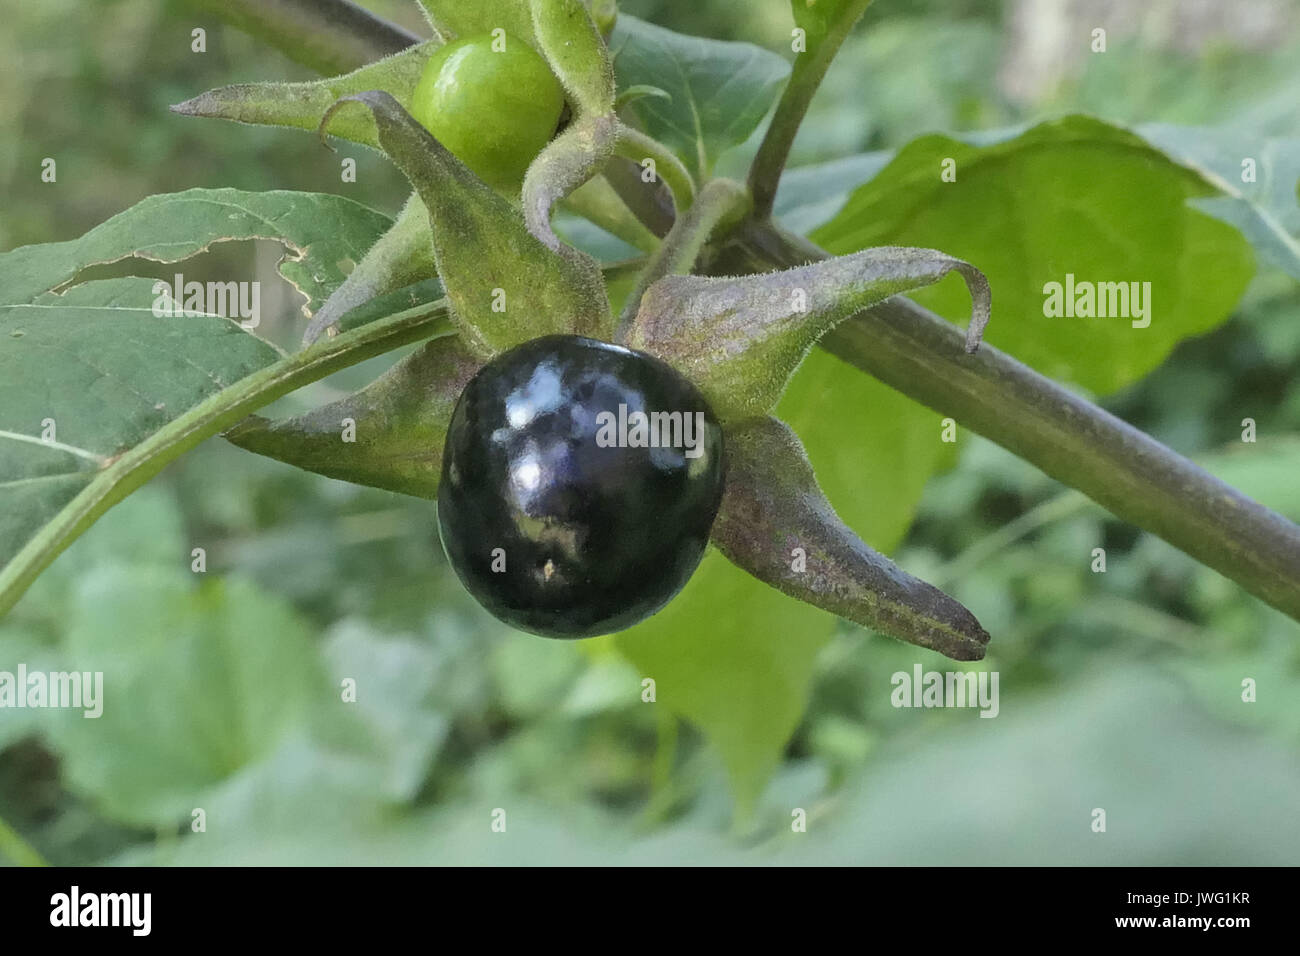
(637, 146)
(648, 202)
(806, 76)
(330, 36)
(721, 203)
(1121, 468)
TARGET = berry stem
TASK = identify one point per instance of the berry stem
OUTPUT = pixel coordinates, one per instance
(637, 146)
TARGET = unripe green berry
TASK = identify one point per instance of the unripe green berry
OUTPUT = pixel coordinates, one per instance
(493, 109)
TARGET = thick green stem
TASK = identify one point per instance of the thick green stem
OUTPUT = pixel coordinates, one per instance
(1121, 468)
(806, 76)
(330, 36)
(721, 203)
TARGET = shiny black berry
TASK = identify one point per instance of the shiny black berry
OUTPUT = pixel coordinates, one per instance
(579, 484)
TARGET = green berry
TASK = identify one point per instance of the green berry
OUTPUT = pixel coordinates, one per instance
(493, 109)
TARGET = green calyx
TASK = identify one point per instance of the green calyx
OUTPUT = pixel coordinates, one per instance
(741, 340)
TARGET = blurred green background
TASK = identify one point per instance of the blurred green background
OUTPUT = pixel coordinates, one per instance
(1119, 690)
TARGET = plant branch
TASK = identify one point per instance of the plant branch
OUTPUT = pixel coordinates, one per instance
(805, 78)
(651, 203)
(721, 203)
(637, 146)
(330, 36)
(1074, 441)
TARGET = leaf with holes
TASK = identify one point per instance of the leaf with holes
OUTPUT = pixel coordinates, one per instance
(718, 92)
(97, 392)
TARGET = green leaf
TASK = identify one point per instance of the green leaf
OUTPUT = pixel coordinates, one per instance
(325, 236)
(740, 339)
(776, 523)
(577, 53)
(744, 678)
(1267, 209)
(301, 105)
(873, 449)
(186, 700)
(401, 257)
(97, 393)
(1073, 196)
(719, 91)
(505, 286)
(398, 425)
(128, 392)
(457, 18)
(96, 374)
(811, 195)
(398, 708)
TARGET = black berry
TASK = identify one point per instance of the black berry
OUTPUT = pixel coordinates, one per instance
(579, 484)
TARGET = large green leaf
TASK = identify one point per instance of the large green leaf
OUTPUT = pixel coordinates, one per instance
(718, 92)
(98, 369)
(325, 235)
(125, 391)
(1073, 196)
(743, 675)
(1266, 209)
(187, 699)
